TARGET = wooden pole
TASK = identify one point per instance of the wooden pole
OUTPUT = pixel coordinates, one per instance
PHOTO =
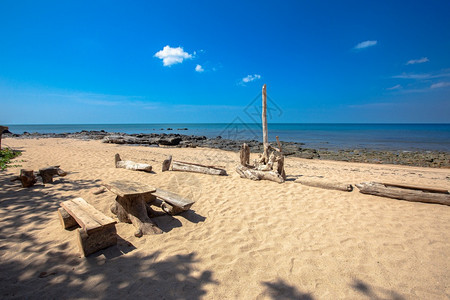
(264, 125)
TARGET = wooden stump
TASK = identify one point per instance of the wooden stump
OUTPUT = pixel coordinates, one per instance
(27, 178)
(67, 221)
(48, 173)
(96, 240)
(245, 155)
(166, 163)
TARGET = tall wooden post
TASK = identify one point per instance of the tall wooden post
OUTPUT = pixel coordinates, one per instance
(264, 125)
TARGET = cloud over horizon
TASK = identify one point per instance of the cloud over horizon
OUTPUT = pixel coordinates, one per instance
(250, 78)
(171, 56)
(365, 44)
(418, 61)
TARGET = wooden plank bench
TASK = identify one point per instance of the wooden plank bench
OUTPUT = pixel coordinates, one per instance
(97, 231)
(172, 203)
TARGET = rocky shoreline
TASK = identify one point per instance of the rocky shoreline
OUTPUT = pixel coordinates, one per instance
(435, 159)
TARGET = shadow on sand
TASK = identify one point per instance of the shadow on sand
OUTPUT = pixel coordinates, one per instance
(47, 268)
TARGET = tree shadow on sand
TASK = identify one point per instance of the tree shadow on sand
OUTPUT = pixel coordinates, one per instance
(280, 290)
(33, 264)
(374, 293)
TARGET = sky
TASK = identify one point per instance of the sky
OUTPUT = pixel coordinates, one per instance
(97, 62)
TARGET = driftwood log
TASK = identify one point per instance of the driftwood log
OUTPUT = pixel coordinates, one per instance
(254, 174)
(166, 164)
(197, 168)
(99, 190)
(131, 165)
(2, 128)
(324, 184)
(131, 206)
(26, 177)
(48, 173)
(404, 192)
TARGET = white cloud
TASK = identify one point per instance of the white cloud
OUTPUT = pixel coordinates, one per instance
(365, 44)
(413, 76)
(440, 85)
(250, 78)
(171, 56)
(395, 87)
(199, 68)
(418, 61)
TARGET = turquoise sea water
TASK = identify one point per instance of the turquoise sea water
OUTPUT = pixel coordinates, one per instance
(405, 137)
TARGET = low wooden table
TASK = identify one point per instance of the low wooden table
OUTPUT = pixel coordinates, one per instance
(131, 205)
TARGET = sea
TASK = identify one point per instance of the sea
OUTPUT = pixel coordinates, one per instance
(397, 137)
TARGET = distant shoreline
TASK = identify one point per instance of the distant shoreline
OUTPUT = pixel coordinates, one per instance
(421, 158)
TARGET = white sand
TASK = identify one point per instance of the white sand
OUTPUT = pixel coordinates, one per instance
(241, 240)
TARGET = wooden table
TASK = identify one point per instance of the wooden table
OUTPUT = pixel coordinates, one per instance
(131, 205)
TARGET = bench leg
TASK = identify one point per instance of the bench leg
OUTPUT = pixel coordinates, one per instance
(67, 221)
(170, 209)
(97, 240)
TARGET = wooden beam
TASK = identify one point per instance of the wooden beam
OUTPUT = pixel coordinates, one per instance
(324, 184)
(408, 193)
(196, 168)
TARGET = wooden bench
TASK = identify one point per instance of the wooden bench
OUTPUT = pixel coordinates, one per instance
(172, 203)
(97, 230)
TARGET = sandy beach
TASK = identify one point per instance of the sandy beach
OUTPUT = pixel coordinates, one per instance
(242, 239)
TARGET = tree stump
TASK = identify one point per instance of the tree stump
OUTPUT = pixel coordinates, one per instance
(245, 155)
(27, 178)
(131, 207)
(48, 173)
(166, 163)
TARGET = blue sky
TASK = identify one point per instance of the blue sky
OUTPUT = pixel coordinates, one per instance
(202, 61)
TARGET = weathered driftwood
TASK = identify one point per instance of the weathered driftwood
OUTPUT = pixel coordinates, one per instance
(131, 205)
(197, 168)
(2, 128)
(166, 163)
(67, 221)
(253, 174)
(131, 165)
(403, 192)
(99, 190)
(172, 203)
(263, 168)
(265, 156)
(245, 155)
(324, 184)
(26, 177)
(97, 231)
(48, 173)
